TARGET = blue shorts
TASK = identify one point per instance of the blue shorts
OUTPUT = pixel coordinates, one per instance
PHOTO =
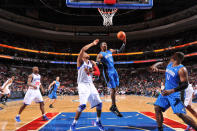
(169, 101)
(113, 79)
(53, 95)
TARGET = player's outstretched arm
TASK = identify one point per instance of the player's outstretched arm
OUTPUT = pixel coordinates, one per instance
(121, 48)
(30, 77)
(85, 48)
(154, 67)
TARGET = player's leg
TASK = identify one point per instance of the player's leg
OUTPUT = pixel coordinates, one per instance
(188, 101)
(53, 100)
(192, 111)
(159, 117)
(160, 105)
(188, 120)
(44, 117)
(77, 115)
(95, 101)
(113, 83)
(38, 99)
(27, 101)
(179, 109)
(20, 111)
(83, 98)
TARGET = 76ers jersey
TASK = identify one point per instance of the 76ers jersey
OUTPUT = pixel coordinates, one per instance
(36, 80)
(108, 59)
(83, 77)
(172, 78)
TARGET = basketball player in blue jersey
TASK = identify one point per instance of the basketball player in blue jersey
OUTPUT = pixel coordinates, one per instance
(53, 91)
(106, 58)
(176, 80)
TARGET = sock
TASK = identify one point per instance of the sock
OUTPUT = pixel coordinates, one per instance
(18, 115)
(98, 119)
(75, 121)
(43, 115)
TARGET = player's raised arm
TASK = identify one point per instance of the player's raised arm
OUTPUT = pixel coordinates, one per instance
(51, 85)
(85, 48)
(121, 48)
(121, 36)
(29, 82)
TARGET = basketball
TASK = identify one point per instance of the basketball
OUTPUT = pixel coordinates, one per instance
(121, 35)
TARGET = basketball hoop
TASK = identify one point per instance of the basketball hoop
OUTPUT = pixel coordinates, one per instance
(107, 15)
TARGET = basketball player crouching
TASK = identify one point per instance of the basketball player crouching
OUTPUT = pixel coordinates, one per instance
(86, 88)
(33, 94)
(5, 91)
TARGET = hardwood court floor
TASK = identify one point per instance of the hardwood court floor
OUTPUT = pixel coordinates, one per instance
(70, 104)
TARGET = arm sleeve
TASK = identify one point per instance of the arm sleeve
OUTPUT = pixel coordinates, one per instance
(96, 71)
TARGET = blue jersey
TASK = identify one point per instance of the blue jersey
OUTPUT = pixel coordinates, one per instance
(56, 85)
(108, 59)
(172, 78)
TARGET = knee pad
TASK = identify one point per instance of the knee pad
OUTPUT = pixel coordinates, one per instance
(99, 106)
(81, 108)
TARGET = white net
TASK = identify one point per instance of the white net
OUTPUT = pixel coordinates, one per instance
(107, 15)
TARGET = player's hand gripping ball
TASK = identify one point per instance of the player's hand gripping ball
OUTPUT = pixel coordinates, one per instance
(121, 35)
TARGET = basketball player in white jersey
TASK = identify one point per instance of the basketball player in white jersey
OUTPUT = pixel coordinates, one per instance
(188, 101)
(86, 88)
(33, 94)
(5, 91)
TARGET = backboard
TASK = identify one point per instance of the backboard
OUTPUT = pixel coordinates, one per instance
(119, 4)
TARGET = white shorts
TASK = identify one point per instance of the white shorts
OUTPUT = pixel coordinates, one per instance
(88, 93)
(32, 95)
(188, 95)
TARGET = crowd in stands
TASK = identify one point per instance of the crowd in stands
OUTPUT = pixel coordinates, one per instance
(65, 47)
(136, 82)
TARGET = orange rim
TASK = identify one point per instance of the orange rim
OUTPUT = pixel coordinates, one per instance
(107, 12)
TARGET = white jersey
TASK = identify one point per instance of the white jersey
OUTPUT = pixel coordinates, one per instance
(35, 81)
(83, 77)
(6, 89)
(188, 95)
(33, 94)
(8, 85)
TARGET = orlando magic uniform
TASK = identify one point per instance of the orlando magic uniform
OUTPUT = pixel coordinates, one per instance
(53, 94)
(87, 90)
(6, 89)
(107, 60)
(171, 81)
(33, 94)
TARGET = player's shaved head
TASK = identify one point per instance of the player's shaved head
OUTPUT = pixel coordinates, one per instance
(178, 56)
(35, 69)
(103, 46)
